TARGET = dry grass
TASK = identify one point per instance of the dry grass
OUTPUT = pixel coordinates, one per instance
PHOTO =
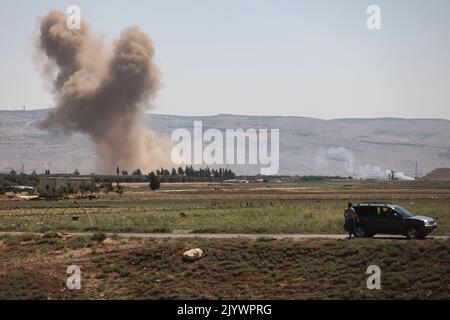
(209, 216)
(33, 268)
(232, 208)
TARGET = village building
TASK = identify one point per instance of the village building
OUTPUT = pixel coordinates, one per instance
(50, 185)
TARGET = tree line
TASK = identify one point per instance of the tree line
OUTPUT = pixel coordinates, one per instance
(154, 178)
(183, 174)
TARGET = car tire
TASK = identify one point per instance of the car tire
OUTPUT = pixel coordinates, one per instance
(412, 233)
(360, 231)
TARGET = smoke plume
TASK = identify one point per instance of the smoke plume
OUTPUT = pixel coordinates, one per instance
(103, 91)
(342, 161)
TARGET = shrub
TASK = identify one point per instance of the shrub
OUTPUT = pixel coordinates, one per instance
(99, 237)
(155, 182)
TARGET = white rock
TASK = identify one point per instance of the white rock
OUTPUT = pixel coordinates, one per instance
(193, 255)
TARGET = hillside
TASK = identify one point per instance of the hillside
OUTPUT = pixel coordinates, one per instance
(441, 174)
(358, 147)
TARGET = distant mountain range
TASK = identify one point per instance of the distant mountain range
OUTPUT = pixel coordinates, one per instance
(363, 148)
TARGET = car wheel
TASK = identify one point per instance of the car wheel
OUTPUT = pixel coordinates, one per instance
(412, 233)
(360, 231)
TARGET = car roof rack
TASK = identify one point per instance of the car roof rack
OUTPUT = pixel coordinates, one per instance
(369, 203)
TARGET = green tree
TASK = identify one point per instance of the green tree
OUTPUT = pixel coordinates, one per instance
(155, 182)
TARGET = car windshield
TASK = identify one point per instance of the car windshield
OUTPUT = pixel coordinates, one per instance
(405, 213)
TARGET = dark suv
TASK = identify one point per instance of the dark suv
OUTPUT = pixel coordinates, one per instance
(391, 219)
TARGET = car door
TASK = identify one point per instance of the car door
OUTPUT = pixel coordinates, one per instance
(391, 222)
(368, 217)
(382, 222)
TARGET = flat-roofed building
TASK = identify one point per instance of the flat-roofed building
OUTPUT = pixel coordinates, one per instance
(51, 185)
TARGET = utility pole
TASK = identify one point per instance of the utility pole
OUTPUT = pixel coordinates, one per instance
(416, 174)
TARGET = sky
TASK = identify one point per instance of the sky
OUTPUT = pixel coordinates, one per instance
(312, 58)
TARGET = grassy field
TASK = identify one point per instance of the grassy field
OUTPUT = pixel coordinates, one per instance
(33, 267)
(307, 207)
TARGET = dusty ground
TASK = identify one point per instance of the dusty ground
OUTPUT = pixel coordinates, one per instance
(35, 268)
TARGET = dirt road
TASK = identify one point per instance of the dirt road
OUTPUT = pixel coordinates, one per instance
(223, 235)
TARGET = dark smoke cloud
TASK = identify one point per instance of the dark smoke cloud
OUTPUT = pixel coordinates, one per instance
(103, 91)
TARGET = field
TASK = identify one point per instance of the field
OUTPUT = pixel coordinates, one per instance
(308, 207)
(33, 266)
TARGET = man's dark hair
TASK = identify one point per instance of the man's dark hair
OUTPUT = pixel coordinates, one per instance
(350, 204)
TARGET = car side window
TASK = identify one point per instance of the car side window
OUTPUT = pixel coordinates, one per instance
(372, 211)
(385, 212)
(365, 211)
(395, 214)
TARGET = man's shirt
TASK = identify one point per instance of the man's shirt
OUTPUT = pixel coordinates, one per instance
(349, 214)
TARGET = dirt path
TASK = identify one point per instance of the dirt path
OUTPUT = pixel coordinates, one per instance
(223, 235)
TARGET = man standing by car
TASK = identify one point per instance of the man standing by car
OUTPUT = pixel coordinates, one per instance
(350, 219)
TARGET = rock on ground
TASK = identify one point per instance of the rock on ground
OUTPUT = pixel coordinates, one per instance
(193, 255)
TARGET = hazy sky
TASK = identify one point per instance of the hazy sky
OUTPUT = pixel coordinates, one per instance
(287, 57)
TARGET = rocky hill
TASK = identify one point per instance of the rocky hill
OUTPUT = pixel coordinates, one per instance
(441, 174)
(357, 147)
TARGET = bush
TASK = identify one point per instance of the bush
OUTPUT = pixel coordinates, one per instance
(51, 235)
(155, 182)
(99, 237)
(79, 243)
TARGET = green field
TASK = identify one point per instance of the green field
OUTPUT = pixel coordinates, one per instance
(34, 266)
(228, 216)
(201, 208)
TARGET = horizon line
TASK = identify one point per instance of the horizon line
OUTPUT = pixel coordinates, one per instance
(255, 115)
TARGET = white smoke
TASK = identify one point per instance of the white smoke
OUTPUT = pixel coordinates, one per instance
(402, 176)
(343, 161)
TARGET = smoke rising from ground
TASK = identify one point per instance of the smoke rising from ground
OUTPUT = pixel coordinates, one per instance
(103, 91)
(342, 161)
